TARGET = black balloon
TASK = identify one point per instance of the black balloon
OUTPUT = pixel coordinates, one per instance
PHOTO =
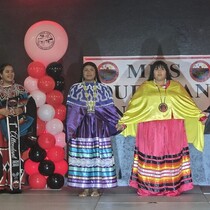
(46, 167)
(37, 154)
(55, 181)
(54, 69)
(59, 83)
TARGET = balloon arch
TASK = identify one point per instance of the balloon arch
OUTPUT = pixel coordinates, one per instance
(45, 43)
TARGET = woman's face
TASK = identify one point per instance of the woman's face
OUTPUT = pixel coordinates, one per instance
(159, 74)
(89, 73)
(8, 75)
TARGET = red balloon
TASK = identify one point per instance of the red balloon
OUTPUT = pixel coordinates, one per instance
(31, 167)
(36, 69)
(37, 181)
(40, 127)
(46, 84)
(46, 141)
(56, 154)
(61, 167)
(54, 98)
(60, 112)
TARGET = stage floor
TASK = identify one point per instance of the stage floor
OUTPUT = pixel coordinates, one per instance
(120, 198)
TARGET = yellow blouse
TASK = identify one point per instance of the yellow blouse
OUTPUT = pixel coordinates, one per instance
(144, 105)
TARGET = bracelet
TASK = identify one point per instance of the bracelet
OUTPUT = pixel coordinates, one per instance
(203, 118)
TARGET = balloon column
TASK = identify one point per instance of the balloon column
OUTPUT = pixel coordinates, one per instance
(45, 43)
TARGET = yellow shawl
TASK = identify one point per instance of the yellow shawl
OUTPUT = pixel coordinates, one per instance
(144, 104)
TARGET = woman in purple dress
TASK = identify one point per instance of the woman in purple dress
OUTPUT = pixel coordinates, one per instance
(91, 121)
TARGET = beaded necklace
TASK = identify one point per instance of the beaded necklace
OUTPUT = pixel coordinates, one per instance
(90, 103)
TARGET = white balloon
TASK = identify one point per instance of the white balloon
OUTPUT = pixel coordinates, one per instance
(46, 112)
(54, 126)
(31, 84)
(39, 97)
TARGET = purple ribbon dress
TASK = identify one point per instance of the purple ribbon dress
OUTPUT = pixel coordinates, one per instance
(90, 154)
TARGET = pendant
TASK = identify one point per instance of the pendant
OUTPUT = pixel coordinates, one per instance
(12, 103)
(163, 107)
(90, 106)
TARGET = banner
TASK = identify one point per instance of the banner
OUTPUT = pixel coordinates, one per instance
(125, 73)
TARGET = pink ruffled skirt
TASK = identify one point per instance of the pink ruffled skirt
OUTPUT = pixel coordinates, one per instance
(161, 159)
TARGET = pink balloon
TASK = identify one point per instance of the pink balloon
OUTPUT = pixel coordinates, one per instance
(46, 112)
(39, 97)
(36, 69)
(46, 41)
(30, 84)
(54, 126)
(60, 139)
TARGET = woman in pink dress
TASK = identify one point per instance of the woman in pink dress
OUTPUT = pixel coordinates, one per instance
(164, 119)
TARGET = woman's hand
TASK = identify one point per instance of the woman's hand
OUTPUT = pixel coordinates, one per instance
(18, 111)
(120, 127)
(204, 118)
(5, 112)
(12, 111)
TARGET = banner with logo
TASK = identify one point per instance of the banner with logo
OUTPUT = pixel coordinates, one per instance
(125, 73)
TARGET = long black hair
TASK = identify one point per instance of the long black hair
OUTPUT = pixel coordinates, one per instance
(159, 64)
(96, 71)
(2, 67)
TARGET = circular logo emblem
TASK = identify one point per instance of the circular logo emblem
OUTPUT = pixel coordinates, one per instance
(108, 72)
(45, 40)
(200, 71)
(15, 184)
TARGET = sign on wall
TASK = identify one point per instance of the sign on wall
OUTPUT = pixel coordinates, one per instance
(125, 73)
